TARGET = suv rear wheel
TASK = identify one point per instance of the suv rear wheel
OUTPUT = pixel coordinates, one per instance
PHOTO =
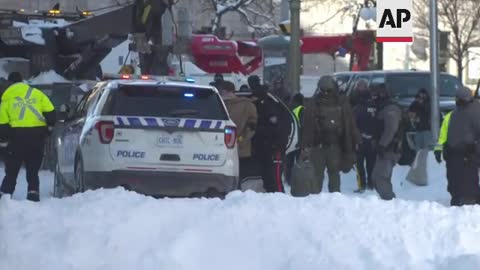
(79, 175)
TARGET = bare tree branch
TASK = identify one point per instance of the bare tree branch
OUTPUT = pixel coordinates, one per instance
(461, 18)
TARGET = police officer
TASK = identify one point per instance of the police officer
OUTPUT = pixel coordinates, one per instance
(388, 138)
(26, 117)
(271, 136)
(459, 136)
(364, 113)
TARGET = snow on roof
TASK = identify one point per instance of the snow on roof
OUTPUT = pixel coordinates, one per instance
(3, 72)
(32, 31)
(51, 23)
(48, 77)
(5, 60)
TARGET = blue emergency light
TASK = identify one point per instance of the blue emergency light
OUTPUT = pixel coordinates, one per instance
(190, 80)
(188, 95)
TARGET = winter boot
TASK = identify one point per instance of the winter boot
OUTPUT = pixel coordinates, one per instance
(5, 195)
(359, 190)
(370, 186)
(33, 196)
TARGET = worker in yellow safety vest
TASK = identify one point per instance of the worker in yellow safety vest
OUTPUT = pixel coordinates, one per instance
(442, 138)
(298, 109)
(27, 116)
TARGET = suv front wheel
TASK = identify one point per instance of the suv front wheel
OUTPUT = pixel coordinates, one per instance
(58, 184)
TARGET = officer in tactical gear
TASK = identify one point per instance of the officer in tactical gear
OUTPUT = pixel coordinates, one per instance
(329, 135)
(364, 113)
(388, 138)
(26, 117)
(460, 135)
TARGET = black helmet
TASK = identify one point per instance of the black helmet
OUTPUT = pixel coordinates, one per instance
(327, 85)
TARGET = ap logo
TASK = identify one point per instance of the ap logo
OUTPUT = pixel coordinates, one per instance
(395, 23)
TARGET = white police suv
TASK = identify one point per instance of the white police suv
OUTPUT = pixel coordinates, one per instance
(157, 137)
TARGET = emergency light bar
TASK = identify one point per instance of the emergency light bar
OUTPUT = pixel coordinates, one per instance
(147, 78)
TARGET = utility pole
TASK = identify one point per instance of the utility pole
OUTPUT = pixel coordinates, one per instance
(294, 65)
(434, 68)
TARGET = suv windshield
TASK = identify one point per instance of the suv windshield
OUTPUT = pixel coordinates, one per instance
(407, 85)
(165, 101)
(62, 94)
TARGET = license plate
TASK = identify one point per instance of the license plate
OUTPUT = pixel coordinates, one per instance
(170, 141)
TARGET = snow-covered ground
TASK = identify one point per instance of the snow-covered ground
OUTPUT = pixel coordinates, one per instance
(117, 229)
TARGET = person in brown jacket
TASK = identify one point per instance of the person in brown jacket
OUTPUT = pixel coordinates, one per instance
(330, 136)
(244, 114)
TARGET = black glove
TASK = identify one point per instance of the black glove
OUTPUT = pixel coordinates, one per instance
(438, 156)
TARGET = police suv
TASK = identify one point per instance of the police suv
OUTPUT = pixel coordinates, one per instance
(159, 137)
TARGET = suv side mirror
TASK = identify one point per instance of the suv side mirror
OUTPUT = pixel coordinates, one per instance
(64, 112)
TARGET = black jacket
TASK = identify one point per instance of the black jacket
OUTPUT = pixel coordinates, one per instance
(273, 125)
(422, 115)
(365, 117)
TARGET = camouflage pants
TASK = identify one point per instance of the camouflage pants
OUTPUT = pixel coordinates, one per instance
(326, 157)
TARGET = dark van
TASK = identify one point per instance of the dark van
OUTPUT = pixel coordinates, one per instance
(404, 85)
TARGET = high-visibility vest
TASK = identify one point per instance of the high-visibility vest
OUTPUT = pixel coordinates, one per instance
(297, 112)
(23, 106)
(442, 138)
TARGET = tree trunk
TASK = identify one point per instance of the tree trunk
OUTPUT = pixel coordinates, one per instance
(217, 23)
(459, 63)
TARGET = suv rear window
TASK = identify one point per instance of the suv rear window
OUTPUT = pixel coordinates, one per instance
(165, 101)
(407, 85)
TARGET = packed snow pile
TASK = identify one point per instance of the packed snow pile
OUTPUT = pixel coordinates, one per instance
(48, 77)
(116, 229)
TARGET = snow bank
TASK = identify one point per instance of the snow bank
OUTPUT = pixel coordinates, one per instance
(116, 229)
(48, 77)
